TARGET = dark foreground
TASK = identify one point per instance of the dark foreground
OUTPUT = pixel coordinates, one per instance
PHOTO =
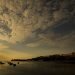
(38, 68)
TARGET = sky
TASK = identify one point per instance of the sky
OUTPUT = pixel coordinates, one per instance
(31, 28)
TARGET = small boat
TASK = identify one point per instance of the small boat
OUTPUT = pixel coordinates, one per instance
(18, 63)
(1, 62)
(10, 63)
(14, 65)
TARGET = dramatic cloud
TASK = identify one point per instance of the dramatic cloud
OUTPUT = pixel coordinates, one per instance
(41, 24)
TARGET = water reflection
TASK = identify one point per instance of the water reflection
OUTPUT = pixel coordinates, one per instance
(38, 68)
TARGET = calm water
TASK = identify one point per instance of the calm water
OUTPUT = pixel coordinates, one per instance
(38, 68)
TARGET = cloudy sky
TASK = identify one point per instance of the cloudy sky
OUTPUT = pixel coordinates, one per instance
(30, 28)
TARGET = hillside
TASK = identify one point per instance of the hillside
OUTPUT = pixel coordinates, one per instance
(64, 58)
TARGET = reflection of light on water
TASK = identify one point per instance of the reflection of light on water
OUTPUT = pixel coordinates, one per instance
(3, 66)
(37, 68)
